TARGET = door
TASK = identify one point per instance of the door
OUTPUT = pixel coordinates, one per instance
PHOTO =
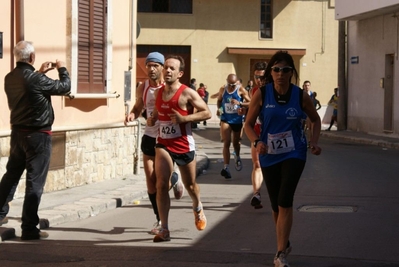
(144, 50)
(388, 93)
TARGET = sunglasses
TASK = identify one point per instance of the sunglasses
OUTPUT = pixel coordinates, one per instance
(232, 84)
(258, 77)
(285, 69)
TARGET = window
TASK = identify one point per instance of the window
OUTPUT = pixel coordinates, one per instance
(166, 6)
(92, 25)
(266, 20)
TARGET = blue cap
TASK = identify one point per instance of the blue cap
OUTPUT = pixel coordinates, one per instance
(155, 57)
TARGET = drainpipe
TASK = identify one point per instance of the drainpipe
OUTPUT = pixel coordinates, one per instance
(19, 29)
(132, 68)
(17, 26)
(323, 32)
(342, 77)
(136, 156)
(12, 33)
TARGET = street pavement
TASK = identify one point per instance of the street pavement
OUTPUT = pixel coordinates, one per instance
(89, 200)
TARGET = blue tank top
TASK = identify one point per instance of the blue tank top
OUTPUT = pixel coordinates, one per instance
(230, 110)
(282, 127)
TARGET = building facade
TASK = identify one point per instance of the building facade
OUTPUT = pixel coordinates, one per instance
(229, 36)
(90, 141)
(372, 64)
(105, 42)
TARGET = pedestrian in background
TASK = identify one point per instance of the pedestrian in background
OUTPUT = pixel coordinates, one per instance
(145, 99)
(334, 103)
(204, 94)
(201, 90)
(249, 86)
(316, 102)
(282, 145)
(308, 124)
(193, 83)
(306, 87)
(31, 117)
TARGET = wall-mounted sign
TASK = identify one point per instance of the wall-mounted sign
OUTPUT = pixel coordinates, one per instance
(355, 60)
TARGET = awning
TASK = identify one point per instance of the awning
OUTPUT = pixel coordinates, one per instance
(264, 51)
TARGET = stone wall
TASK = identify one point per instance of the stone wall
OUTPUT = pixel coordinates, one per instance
(90, 156)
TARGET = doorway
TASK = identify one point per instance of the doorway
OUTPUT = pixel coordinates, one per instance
(388, 93)
(144, 50)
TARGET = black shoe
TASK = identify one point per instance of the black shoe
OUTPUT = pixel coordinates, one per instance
(225, 173)
(256, 201)
(34, 235)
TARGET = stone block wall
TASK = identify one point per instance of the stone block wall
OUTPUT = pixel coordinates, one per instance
(90, 156)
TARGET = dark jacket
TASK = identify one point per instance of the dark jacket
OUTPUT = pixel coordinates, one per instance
(29, 96)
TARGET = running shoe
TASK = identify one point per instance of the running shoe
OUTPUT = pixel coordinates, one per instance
(288, 250)
(256, 201)
(177, 185)
(156, 228)
(281, 261)
(162, 236)
(225, 173)
(200, 220)
(237, 160)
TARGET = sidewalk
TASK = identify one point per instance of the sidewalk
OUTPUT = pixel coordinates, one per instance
(382, 140)
(89, 200)
(84, 201)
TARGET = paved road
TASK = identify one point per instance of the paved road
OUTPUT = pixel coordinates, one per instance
(350, 177)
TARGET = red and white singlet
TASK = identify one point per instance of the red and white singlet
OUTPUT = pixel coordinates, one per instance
(177, 138)
(149, 105)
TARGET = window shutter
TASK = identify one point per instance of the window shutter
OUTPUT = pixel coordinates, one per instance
(92, 46)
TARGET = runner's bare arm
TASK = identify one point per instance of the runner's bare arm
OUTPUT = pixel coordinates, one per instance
(244, 94)
(138, 105)
(191, 98)
(253, 112)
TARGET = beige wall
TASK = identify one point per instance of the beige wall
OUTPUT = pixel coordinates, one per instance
(4, 63)
(50, 29)
(216, 25)
(97, 146)
(370, 40)
(91, 155)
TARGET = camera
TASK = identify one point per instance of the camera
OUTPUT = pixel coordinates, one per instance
(53, 65)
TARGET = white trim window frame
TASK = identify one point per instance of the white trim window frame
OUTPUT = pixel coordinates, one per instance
(74, 54)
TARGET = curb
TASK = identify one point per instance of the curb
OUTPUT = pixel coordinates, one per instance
(362, 140)
(202, 163)
(93, 205)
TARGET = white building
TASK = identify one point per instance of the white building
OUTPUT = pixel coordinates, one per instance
(372, 64)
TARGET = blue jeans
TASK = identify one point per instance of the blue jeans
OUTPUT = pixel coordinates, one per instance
(30, 151)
